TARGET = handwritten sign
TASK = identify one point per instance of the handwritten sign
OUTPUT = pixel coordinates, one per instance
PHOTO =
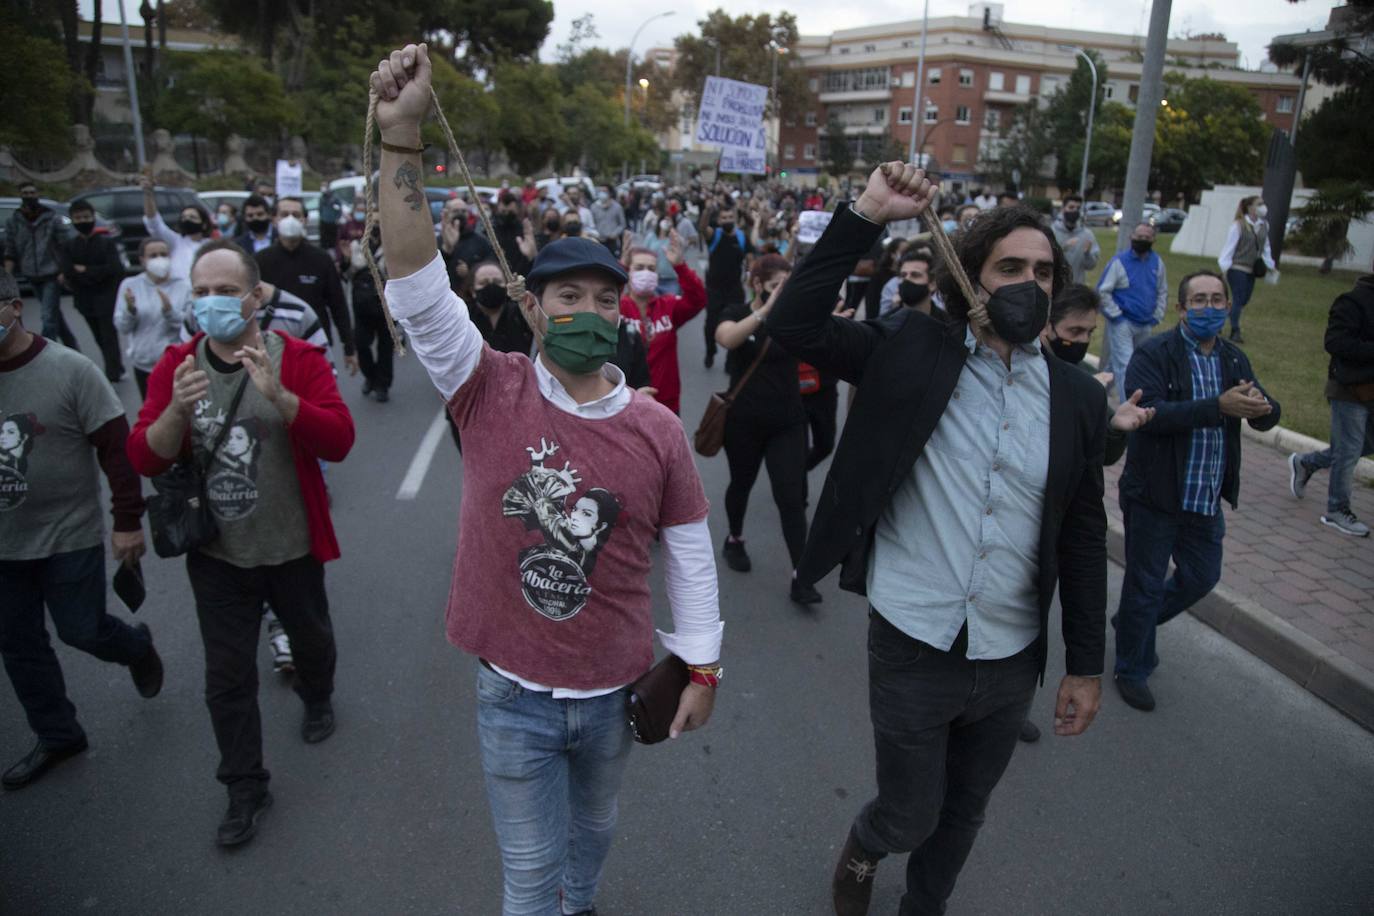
(730, 118)
(288, 179)
(810, 225)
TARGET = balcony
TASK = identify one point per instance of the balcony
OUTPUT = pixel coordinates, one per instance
(856, 95)
(1002, 97)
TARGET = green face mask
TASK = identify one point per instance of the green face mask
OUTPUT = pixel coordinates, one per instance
(581, 342)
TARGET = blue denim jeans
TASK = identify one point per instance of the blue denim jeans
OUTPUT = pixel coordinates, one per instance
(1125, 336)
(72, 586)
(1352, 436)
(553, 771)
(1147, 598)
(944, 729)
(1242, 288)
(50, 300)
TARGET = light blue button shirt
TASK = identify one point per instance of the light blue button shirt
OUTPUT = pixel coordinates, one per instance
(960, 540)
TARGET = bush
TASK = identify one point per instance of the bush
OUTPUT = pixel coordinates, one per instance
(1040, 205)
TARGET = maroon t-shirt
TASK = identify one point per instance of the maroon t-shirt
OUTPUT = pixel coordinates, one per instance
(551, 580)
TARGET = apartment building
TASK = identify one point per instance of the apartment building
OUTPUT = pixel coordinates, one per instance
(978, 69)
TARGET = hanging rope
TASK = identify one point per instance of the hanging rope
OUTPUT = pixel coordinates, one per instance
(515, 284)
(977, 311)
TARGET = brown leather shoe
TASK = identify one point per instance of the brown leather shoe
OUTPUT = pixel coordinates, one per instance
(852, 885)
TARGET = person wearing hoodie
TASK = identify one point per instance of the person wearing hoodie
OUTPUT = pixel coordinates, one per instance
(660, 317)
(608, 218)
(1080, 246)
(149, 309)
(31, 238)
(91, 267)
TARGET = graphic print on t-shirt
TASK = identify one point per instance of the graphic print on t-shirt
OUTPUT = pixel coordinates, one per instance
(554, 575)
(231, 482)
(17, 432)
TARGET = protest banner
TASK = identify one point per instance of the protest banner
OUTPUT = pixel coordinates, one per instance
(730, 117)
(810, 225)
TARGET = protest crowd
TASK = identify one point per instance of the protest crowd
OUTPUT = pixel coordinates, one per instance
(965, 489)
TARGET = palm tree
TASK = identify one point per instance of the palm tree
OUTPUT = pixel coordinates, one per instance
(1324, 221)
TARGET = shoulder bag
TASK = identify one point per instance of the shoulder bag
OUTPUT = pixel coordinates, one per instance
(179, 512)
(653, 699)
(710, 434)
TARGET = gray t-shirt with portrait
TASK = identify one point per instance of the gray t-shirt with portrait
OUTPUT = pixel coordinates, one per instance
(49, 484)
(251, 484)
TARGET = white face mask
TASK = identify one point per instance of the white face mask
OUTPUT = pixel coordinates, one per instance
(290, 227)
(1263, 211)
(159, 266)
(643, 282)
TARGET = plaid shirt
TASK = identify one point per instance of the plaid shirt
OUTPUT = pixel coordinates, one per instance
(1207, 449)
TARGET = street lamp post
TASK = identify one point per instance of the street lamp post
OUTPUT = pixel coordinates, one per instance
(630, 58)
(715, 43)
(778, 51)
(1092, 108)
(916, 115)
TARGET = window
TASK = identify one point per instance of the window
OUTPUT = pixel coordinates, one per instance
(904, 114)
(863, 80)
(814, 84)
(966, 78)
(844, 50)
(880, 115)
(1133, 92)
(810, 119)
(1048, 85)
(1285, 105)
(869, 49)
(996, 82)
(908, 43)
(961, 114)
(932, 114)
(960, 155)
(1023, 85)
(933, 77)
(809, 151)
(992, 120)
(909, 79)
(1109, 92)
(789, 151)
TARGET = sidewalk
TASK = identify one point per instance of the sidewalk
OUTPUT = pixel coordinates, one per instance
(1294, 592)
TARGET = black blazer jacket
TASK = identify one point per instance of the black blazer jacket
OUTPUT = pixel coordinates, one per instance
(905, 367)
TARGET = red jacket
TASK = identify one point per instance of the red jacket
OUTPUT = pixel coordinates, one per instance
(666, 315)
(323, 428)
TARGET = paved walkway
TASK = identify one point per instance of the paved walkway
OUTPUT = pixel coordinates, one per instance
(1279, 557)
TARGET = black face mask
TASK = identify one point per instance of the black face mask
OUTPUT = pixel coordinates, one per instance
(191, 226)
(1141, 246)
(1069, 351)
(30, 203)
(257, 226)
(912, 293)
(551, 226)
(85, 227)
(1071, 219)
(491, 296)
(573, 228)
(506, 219)
(1018, 311)
(463, 228)
(727, 228)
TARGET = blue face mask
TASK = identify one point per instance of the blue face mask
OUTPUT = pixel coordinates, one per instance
(1206, 323)
(221, 317)
(950, 226)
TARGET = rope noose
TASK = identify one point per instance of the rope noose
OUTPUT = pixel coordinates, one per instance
(977, 311)
(515, 284)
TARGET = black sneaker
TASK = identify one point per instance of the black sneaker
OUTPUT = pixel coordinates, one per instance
(241, 820)
(852, 886)
(1237, 336)
(709, 361)
(37, 762)
(804, 594)
(1135, 693)
(736, 557)
(318, 723)
(367, 387)
(147, 671)
(1030, 732)
(383, 396)
(1298, 475)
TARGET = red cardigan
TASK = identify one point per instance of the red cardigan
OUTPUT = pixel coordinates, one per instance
(323, 428)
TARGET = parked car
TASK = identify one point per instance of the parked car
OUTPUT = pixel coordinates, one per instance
(1147, 211)
(1098, 213)
(1170, 219)
(311, 199)
(103, 226)
(555, 186)
(124, 207)
(640, 183)
(349, 191)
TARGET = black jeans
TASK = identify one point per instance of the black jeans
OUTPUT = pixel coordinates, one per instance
(369, 327)
(141, 380)
(229, 602)
(72, 585)
(107, 339)
(717, 301)
(944, 727)
(751, 442)
(821, 409)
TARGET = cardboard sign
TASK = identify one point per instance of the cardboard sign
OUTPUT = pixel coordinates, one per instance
(810, 225)
(730, 118)
(288, 179)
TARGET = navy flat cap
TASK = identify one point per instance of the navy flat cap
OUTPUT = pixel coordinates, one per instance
(571, 254)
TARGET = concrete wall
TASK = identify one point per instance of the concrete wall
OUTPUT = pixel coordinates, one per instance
(1204, 231)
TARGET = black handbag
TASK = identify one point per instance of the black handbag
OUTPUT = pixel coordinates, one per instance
(653, 699)
(179, 512)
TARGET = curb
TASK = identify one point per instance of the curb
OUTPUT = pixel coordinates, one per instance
(1315, 667)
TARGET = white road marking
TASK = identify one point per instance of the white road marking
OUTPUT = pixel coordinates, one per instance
(424, 456)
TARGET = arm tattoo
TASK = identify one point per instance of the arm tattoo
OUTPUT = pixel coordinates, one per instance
(407, 174)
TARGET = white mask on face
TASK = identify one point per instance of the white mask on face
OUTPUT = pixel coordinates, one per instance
(643, 281)
(290, 227)
(159, 266)
(1263, 211)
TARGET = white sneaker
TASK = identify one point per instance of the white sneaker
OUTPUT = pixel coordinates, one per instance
(282, 662)
(1345, 522)
(1298, 475)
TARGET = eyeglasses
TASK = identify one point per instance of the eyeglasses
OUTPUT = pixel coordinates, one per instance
(1216, 301)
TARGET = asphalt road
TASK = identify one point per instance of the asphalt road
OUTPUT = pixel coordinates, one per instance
(1241, 795)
